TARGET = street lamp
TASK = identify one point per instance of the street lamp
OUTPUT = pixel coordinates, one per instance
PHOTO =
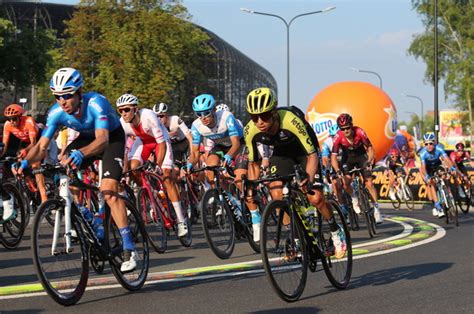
(422, 111)
(287, 24)
(371, 72)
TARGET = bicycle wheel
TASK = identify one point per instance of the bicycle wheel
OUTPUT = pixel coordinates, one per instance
(353, 217)
(135, 279)
(218, 225)
(153, 221)
(408, 195)
(62, 273)
(283, 250)
(465, 202)
(11, 232)
(248, 229)
(368, 211)
(338, 271)
(451, 210)
(396, 202)
(188, 205)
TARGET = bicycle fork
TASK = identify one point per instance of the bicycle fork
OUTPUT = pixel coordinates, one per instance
(66, 195)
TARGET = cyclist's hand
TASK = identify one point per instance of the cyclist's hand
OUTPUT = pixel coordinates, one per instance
(18, 167)
(427, 178)
(76, 157)
(189, 166)
(303, 184)
(227, 160)
(22, 153)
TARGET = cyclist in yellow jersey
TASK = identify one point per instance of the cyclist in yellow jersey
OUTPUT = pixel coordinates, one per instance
(293, 142)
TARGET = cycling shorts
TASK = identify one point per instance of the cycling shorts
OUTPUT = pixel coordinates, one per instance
(141, 151)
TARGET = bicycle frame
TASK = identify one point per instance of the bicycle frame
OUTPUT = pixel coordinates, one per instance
(169, 222)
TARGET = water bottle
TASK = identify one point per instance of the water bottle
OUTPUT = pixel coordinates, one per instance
(97, 222)
(86, 213)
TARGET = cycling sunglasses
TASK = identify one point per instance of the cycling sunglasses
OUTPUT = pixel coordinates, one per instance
(203, 114)
(65, 96)
(430, 143)
(161, 115)
(262, 116)
(346, 128)
(122, 110)
(13, 119)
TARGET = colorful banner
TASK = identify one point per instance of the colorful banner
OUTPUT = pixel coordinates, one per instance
(450, 131)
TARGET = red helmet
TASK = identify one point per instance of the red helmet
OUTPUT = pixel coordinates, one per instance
(344, 119)
(460, 146)
(394, 151)
(13, 110)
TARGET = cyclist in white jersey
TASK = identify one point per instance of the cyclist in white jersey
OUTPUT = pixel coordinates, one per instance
(180, 135)
(151, 135)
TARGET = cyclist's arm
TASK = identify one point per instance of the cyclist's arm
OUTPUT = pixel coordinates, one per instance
(235, 140)
(194, 156)
(254, 170)
(32, 133)
(161, 153)
(98, 145)
(370, 154)
(312, 166)
(6, 139)
(334, 162)
(38, 151)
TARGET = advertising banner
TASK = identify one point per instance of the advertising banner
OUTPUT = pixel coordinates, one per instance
(450, 131)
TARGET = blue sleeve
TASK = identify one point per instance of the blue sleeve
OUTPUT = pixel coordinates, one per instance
(441, 152)
(326, 151)
(98, 107)
(52, 122)
(423, 157)
(196, 135)
(233, 126)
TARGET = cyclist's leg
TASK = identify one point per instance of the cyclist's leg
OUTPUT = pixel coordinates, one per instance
(391, 184)
(40, 182)
(213, 159)
(138, 153)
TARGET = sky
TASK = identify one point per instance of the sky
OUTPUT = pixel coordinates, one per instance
(372, 35)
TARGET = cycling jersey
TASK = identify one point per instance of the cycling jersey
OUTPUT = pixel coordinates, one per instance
(25, 130)
(149, 133)
(96, 113)
(327, 147)
(357, 147)
(393, 164)
(178, 128)
(433, 158)
(459, 159)
(293, 140)
(225, 126)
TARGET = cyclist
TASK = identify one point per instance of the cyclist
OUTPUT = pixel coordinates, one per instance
(100, 135)
(294, 142)
(25, 135)
(432, 157)
(151, 135)
(222, 137)
(357, 153)
(458, 157)
(180, 135)
(394, 164)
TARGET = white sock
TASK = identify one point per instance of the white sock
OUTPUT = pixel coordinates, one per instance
(179, 211)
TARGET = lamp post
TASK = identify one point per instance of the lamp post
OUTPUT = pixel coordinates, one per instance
(287, 24)
(422, 111)
(371, 72)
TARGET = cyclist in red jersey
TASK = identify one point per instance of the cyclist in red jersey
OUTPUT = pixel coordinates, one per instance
(357, 153)
(458, 157)
(25, 134)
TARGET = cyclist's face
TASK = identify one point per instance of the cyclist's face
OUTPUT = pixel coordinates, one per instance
(14, 121)
(127, 113)
(69, 103)
(207, 119)
(163, 118)
(430, 146)
(263, 121)
(347, 130)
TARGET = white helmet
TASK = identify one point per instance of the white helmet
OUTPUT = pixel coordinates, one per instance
(160, 108)
(66, 81)
(127, 99)
(222, 107)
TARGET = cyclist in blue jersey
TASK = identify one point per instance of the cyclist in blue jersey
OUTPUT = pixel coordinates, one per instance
(432, 157)
(101, 135)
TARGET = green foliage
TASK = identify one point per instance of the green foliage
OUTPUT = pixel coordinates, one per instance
(146, 47)
(455, 46)
(24, 56)
(5, 28)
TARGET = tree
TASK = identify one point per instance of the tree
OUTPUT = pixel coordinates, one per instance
(5, 27)
(146, 47)
(455, 48)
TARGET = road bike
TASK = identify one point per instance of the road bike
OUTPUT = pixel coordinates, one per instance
(156, 209)
(363, 198)
(445, 196)
(403, 193)
(62, 251)
(294, 243)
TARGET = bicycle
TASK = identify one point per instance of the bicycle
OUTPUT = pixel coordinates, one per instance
(445, 197)
(190, 194)
(363, 197)
(463, 194)
(66, 248)
(225, 217)
(156, 209)
(294, 243)
(403, 192)
(11, 231)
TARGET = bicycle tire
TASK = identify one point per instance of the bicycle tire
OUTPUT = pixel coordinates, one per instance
(63, 292)
(409, 200)
(353, 217)
(188, 205)
(368, 212)
(465, 202)
(216, 213)
(452, 210)
(153, 220)
(338, 271)
(134, 280)
(12, 231)
(275, 245)
(396, 202)
(248, 231)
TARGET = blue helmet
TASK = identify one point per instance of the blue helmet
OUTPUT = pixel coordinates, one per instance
(429, 137)
(66, 81)
(333, 129)
(204, 102)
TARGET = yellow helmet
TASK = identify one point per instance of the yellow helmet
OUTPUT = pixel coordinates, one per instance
(261, 100)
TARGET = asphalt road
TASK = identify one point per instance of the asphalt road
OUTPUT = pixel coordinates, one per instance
(436, 277)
